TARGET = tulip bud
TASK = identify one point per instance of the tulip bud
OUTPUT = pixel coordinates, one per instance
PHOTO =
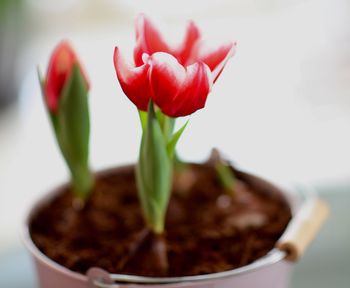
(60, 68)
(65, 91)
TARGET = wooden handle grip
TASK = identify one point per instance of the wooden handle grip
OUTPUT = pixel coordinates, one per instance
(303, 228)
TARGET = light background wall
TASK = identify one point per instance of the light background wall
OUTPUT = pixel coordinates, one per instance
(281, 108)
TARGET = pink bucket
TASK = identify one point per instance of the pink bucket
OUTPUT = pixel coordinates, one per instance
(270, 271)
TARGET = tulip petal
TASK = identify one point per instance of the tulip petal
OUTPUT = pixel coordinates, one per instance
(133, 81)
(185, 50)
(220, 67)
(215, 59)
(59, 70)
(194, 92)
(148, 39)
(167, 76)
(178, 91)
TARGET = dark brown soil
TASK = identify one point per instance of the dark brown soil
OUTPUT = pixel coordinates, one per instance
(206, 230)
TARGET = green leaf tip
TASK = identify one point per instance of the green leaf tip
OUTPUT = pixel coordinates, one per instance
(174, 139)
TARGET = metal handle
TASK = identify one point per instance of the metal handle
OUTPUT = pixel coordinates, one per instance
(100, 284)
(102, 279)
(98, 277)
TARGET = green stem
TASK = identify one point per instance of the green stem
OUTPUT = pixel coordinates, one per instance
(167, 125)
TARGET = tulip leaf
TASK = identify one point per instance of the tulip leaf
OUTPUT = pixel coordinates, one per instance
(174, 139)
(154, 172)
(73, 130)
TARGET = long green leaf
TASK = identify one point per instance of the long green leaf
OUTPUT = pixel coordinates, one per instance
(154, 172)
(73, 130)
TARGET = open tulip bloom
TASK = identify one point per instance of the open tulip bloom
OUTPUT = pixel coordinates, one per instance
(164, 83)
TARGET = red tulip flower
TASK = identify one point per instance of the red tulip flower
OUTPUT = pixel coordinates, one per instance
(179, 79)
(176, 81)
(59, 71)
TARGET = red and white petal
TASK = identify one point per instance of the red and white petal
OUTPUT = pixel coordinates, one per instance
(133, 80)
(220, 67)
(167, 76)
(192, 36)
(194, 92)
(215, 59)
(148, 39)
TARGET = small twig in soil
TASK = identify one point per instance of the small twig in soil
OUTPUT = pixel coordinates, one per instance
(224, 172)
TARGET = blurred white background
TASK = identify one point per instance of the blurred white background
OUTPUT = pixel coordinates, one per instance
(281, 107)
